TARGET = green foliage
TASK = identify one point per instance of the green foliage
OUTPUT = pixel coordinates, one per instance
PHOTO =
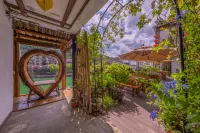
(108, 102)
(147, 70)
(53, 68)
(119, 72)
(69, 67)
(173, 110)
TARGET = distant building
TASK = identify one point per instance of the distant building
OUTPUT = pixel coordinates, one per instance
(162, 29)
(111, 60)
(69, 61)
(38, 60)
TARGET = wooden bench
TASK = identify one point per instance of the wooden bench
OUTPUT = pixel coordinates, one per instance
(46, 82)
(135, 88)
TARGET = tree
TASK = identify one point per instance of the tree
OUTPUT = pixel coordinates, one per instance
(53, 68)
(69, 67)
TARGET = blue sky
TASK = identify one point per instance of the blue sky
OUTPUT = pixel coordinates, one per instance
(133, 37)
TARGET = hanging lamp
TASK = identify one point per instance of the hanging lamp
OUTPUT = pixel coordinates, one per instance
(45, 5)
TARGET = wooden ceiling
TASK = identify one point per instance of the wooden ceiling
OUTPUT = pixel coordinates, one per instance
(68, 15)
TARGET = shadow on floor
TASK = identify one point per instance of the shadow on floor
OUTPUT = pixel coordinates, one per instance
(130, 116)
(56, 117)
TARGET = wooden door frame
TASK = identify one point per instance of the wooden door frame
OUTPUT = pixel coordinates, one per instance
(16, 58)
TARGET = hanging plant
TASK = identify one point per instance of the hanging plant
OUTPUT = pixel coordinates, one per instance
(45, 5)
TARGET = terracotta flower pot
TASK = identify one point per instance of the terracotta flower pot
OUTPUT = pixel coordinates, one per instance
(74, 103)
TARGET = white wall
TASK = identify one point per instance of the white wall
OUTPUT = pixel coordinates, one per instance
(6, 64)
(175, 66)
(164, 34)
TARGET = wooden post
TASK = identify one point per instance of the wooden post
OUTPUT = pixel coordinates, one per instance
(87, 66)
(16, 57)
(73, 58)
(64, 77)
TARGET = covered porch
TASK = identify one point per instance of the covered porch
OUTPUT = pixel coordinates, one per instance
(130, 116)
(24, 22)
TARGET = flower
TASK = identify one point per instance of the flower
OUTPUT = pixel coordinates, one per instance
(155, 96)
(185, 34)
(175, 91)
(169, 131)
(153, 115)
(171, 19)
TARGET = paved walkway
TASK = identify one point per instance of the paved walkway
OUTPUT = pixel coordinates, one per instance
(131, 116)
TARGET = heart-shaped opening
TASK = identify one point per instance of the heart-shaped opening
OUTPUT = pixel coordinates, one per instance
(43, 68)
(42, 87)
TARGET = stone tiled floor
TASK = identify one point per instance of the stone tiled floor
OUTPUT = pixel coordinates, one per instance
(21, 103)
(131, 116)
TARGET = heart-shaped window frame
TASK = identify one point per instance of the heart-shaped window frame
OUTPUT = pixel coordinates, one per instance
(28, 81)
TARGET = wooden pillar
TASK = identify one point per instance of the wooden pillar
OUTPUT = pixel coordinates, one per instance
(87, 66)
(73, 58)
(16, 57)
(64, 77)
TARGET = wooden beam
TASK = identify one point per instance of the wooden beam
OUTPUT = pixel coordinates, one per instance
(64, 77)
(21, 6)
(68, 12)
(49, 37)
(34, 13)
(81, 10)
(37, 43)
(16, 72)
(31, 38)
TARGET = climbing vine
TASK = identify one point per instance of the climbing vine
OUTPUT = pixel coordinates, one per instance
(175, 108)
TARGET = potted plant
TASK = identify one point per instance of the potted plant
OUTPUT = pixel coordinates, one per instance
(74, 103)
(120, 95)
(96, 104)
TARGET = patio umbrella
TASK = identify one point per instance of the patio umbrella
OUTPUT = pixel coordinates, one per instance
(148, 54)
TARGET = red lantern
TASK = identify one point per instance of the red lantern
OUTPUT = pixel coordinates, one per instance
(153, 4)
(155, 45)
(156, 40)
(156, 36)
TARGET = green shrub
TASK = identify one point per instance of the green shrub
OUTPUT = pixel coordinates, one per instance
(119, 72)
(107, 102)
(69, 68)
(53, 68)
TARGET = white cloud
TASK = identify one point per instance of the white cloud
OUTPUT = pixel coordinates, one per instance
(133, 37)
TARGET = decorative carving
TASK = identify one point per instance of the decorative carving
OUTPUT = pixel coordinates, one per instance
(23, 71)
(10, 13)
(34, 27)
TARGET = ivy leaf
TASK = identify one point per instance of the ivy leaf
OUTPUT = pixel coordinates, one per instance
(180, 2)
(190, 125)
(191, 117)
(198, 3)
